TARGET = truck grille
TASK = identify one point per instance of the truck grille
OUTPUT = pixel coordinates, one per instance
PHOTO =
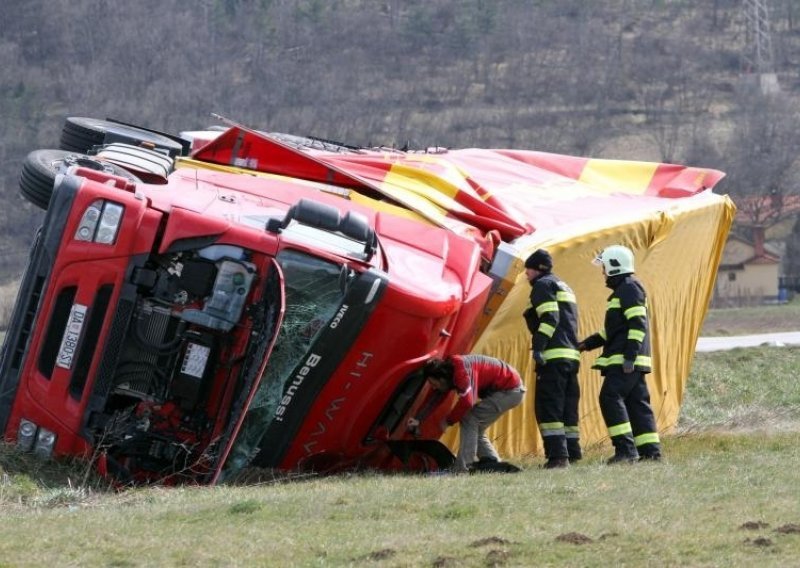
(27, 322)
(90, 340)
(112, 348)
(55, 330)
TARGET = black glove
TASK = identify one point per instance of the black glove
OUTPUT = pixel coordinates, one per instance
(627, 366)
(538, 358)
(581, 346)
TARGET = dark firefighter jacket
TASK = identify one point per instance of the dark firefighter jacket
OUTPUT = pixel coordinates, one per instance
(625, 334)
(553, 319)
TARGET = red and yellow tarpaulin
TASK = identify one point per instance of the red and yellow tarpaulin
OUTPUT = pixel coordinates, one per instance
(513, 202)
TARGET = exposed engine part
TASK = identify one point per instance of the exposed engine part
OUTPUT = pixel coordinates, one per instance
(224, 307)
(195, 370)
(158, 418)
(144, 364)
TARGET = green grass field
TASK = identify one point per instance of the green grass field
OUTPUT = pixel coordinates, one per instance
(726, 495)
(752, 320)
(719, 500)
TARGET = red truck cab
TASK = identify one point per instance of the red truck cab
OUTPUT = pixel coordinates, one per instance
(188, 330)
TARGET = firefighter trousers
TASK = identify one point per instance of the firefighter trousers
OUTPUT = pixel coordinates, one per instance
(625, 404)
(556, 400)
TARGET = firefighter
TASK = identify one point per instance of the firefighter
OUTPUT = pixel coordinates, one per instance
(624, 361)
(552, 319)
(486, 389)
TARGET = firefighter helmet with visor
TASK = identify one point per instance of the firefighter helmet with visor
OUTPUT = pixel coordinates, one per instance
(615, 260)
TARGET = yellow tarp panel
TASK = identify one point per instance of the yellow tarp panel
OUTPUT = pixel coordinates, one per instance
(674, 251)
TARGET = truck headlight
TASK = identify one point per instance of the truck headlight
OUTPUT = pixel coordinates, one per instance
(45, 441)
(100, 222)
(26, 435)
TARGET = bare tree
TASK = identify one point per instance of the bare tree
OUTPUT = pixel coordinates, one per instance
(761, 158)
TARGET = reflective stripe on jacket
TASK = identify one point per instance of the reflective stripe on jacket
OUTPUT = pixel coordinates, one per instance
(625, 335)
(552, 319)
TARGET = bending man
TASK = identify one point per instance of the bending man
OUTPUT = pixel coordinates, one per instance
(486, 389)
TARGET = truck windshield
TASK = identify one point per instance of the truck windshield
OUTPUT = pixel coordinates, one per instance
(314, 292)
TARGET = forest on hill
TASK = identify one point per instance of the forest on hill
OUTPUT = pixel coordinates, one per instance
(657, 80)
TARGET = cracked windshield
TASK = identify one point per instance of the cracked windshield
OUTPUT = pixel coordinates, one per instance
(314, 291)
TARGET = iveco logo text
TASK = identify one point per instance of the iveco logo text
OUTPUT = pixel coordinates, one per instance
(312, 361)
(339, 315)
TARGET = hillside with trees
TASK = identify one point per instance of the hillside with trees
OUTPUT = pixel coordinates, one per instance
(660, 80)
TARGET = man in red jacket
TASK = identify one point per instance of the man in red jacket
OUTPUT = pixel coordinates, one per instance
(486, 389)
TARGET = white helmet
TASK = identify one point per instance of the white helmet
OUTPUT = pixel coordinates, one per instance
(615, 260)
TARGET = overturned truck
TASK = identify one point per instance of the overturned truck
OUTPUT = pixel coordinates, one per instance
(198, 305)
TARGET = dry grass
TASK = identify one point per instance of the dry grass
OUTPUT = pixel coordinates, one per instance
(725, 496)
(718, 500)
(752, 320)
(8, 294)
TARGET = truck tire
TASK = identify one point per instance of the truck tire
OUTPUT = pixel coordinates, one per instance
(81, 134)
(150, 165)
(40, 168)
(422, 455)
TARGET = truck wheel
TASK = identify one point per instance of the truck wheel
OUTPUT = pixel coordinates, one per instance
(81, 134)
(422, 455)
(40, 168)
(150, 165)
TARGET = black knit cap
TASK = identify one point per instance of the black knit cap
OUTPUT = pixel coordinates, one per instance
(540, 260)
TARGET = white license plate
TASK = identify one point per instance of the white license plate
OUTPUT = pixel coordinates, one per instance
(72, 335)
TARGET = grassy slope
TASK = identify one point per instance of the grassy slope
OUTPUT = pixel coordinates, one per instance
(757, 319)
(744, 389)
(692, 510)
(687, 512)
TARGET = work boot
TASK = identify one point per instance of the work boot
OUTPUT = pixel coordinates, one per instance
(483, 464)
(574, 449)
(555, 447)
(486, 459)
(622, 458)
(651, 452)
(650, 457)
(624, 449)
(556, 463)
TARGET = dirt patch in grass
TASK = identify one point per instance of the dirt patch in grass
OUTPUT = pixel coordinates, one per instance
(574, 538)
(760, 541)
(754, 525)
(381, 554)
(497, 557)
(489, 540)
(790, 528)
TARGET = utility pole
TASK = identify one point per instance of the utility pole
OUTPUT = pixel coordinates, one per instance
(758, 61)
